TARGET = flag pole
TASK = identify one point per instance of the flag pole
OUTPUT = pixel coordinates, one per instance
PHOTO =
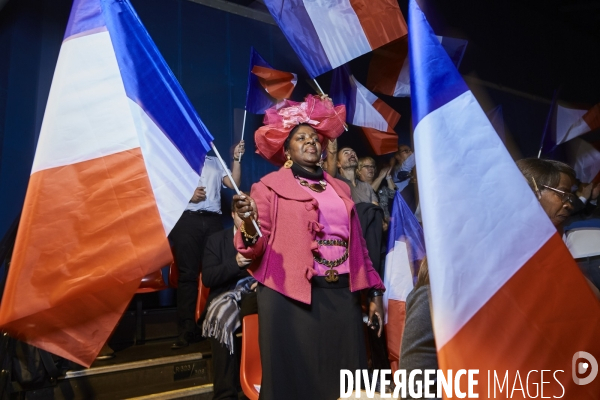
(547, 125)
(235, 187)
(322, 93)
(243, 128)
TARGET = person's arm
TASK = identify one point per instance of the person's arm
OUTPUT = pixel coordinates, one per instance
(199, 195)
(259, 204)
(376, 311)
(332, 157)
(216, 270)
(374, 198)
(382, 174)
(236, 167)
(592, 204)
(409, 163)
(390, 182)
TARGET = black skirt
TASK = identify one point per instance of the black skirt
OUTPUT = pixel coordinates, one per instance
(303, 347)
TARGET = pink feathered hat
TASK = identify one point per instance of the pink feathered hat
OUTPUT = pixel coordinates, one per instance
(320, 113)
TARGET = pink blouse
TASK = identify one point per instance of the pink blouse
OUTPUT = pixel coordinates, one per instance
(334, 218)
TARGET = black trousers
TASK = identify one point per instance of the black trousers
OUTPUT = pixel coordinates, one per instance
(188, 238)
(226, 369)
(226, 366)
(303, 347)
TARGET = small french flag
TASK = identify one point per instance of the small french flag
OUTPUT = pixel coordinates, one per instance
(266, 85)
(119, 155)
(389, 71)
(569, 123)
(327, 34)
(364, 109)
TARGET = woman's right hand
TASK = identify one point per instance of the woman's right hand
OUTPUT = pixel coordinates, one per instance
(384, 171)
(245, 207)
(241, 260)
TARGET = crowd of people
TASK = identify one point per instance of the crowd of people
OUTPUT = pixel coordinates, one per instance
(315, 262)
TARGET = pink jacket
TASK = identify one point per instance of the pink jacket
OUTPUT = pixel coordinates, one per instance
(288, 218)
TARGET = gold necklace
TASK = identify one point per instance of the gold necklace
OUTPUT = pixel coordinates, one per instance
(315, 187)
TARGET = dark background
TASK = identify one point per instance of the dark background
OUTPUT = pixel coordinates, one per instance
(519, 52)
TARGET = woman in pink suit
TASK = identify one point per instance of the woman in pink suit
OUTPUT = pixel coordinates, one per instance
(311, 262)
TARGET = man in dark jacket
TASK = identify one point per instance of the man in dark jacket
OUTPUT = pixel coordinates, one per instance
(222, 268)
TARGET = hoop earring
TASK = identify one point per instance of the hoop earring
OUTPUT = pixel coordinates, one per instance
(288, 164)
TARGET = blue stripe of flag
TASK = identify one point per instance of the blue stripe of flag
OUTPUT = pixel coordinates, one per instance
(257, 98)
(342, 90)
(85, 16)
(293, 19)
(439, 82)
(150, 83)
(404, 227)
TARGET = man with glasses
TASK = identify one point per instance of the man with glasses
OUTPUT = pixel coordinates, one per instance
(402, 164)
(551, 182)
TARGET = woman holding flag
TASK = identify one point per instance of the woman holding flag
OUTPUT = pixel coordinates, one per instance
(311, 261)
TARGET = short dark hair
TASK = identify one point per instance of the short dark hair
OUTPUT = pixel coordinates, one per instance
(286, 144)
(545, 172)
(344, 148)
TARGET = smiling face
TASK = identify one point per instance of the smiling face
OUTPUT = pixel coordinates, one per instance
(552, 201)
(304, 148)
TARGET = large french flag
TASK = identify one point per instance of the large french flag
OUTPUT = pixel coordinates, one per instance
(389, 71)
(118, 157)
(328, 33)
(506, 294)
(366, 110)
(406, 249)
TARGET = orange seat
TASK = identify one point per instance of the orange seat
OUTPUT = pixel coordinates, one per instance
(250, 367)
(173, 275)
(152, 282)
(203, 292)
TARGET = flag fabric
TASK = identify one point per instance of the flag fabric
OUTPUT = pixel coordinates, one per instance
(406, 248)
(278, 84)
(366, 110)
(266, 85)
(389, 71)
(585, 159)
(257, 98)
(118, 157)
(327, 34)
(568, 123)
(571, 123)
(506, 294)
(496, 117)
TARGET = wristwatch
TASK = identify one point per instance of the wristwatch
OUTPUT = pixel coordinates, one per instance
(375, 293)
